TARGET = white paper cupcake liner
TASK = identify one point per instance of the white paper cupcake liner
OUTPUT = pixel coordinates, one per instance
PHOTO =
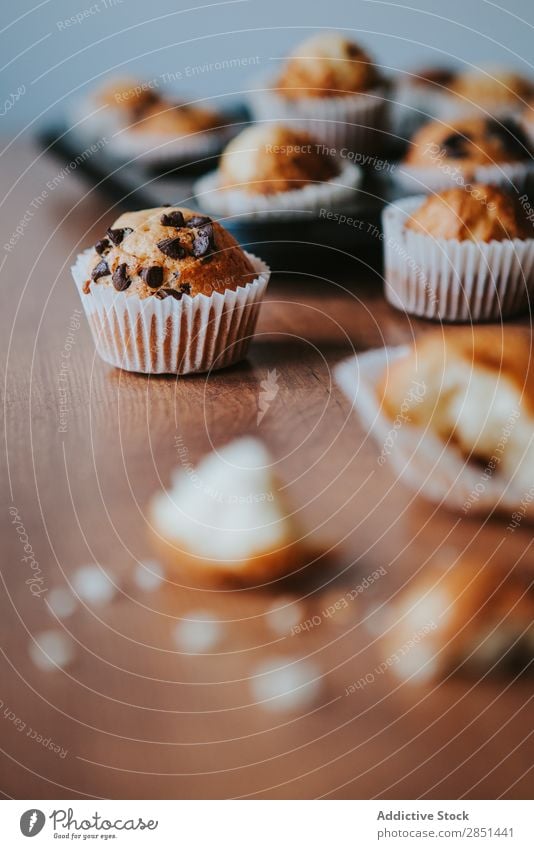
(350, 121)
(414, 179)
(338, 192)
(412, 106)
(451, 280)
(152, 336)
(434, 469)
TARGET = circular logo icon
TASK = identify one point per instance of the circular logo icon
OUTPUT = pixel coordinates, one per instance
(32, 822)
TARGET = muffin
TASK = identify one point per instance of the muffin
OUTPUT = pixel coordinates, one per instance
(478, 396)
(330, 87)
(461, 255)
(169, 290)
(472, 616)
(473, 149)
(497, 91)
(270, 168)
(144, 123)
(226, 522)
(327, 65)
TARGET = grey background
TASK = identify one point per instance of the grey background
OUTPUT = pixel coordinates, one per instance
(48, 62)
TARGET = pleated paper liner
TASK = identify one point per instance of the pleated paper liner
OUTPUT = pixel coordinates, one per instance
(451, 280)
(339, 192)
(348, 121)
(152, 336)
(432, 468)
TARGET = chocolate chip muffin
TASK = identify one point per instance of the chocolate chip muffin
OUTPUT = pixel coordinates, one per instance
(168, 252)
(468, 144)
(169, 290)
(268, 159)
(483, 214)
(327, 65)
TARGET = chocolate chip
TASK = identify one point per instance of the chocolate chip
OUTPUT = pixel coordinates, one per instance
(203, 241)
(120, 278)
(185, 288)
(455, 145)
(100, 270)
(172, 219)
(153, 276)
(512, 137)
(198, 221)
(172, 248)
(102, 245)
(118, 235)
(166, 293)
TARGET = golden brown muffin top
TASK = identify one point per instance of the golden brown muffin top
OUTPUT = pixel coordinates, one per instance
(482, 214)
(147, 111)
(469, 143)
(166, 118)
(327, 65)
(271, 158)
(493, 87)
(168, 252)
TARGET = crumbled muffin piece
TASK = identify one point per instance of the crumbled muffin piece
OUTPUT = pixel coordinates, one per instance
(266, 159)
(482, 214)
(168, 251)
(327, 65)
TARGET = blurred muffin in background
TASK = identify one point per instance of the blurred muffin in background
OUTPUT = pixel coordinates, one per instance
(169, 291)
(327, 65)
(460, 255)
(330, 87)
(144, 123)
(484, 150)
(271, 168)
(415, 97)
(494, 90)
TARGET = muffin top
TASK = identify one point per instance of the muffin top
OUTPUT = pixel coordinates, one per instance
(168, 251)
(484, 213)
(469, 143)
(147, 111)
(436, 75)
(492, 87)
(270, 158)
(327, 65)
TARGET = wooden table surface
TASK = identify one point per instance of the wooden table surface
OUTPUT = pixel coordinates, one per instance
(138, 718)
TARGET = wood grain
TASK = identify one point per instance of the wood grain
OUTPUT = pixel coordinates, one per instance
(139, 719)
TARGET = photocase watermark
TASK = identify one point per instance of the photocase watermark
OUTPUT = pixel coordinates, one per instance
(269, 391)
(11, 100)
(208, 489)
(396, 657)
(36, 581)
(527, 208)
(493, 462)
(342, 603)
(51, 186)
(89, 11)
(519, 514)
(366, 160)
(23, 728)
(438, 157)
(63, 374)
(414, 396)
